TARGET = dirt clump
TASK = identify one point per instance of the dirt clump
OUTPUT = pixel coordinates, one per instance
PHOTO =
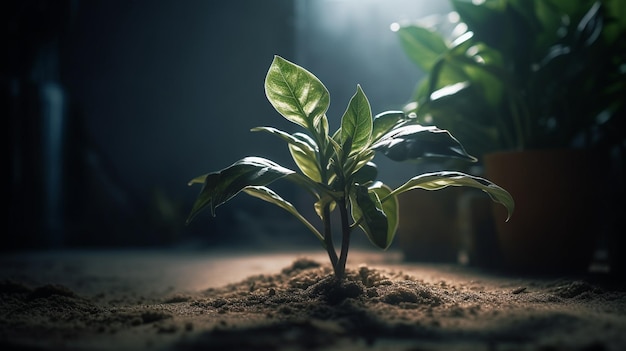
(303, 307)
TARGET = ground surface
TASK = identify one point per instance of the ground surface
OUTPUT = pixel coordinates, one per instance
(135, 300)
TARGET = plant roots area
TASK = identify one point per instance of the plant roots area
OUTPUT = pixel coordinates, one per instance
(150, 300)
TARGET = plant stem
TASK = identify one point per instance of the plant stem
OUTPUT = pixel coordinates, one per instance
(340, 269)
(328, 238)
(322, 162)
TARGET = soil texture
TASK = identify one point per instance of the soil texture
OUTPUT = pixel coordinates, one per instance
(303, 307)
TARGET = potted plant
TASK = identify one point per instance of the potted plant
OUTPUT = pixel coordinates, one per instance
(520, 82)
(336, 169)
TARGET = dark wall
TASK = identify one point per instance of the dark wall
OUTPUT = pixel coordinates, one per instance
(153, 93)
(113, 106)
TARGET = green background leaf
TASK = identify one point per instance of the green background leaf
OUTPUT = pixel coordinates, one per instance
(423, 46)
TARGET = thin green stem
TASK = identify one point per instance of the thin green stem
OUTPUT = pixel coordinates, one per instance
(328, 238)
(340, 269)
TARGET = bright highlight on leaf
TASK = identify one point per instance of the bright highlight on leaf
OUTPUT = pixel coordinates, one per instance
(336, 169)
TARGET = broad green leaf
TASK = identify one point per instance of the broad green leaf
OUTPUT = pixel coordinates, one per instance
(270, 196)
(390, 206)
(303, 151)
(414, 141)
(445, 73)
(306, 162)
(444, 179)
(296, 93)
(223, 185)
(384, 122)
(423, 46)
(482, 76)
(356, 123)
(368, 210)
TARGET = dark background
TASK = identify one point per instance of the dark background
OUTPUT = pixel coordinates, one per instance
(113, 106)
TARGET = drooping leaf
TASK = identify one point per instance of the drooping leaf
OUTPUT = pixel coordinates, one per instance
(390, 207)
(356, 123)
(296, 93)
(444, 179)
(303, 150)
(270, 196)
(384, 122)
(368, 210)
(223, 185)
(414, 141)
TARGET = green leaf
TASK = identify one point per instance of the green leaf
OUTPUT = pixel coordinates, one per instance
(366, 173)
(356, 162)
(414, 141)
(198, 180)
(368, 210)
(423, 46)
(296, 139)
(322, 127)
(303, 150)
(306, 162)
(390, 207)
(444, 179)
(484, 17)
(384, 122)
(325, 200)
(270, 196)
(221, 186)
(356, 123)
(482, 77)
(296, 93)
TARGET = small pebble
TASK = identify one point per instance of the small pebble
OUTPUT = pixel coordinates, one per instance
(519, 290)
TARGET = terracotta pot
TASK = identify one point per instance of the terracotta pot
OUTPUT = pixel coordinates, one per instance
(551, 228)
(427, 229)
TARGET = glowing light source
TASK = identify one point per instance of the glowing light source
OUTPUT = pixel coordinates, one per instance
(454, 17)
(395, 26)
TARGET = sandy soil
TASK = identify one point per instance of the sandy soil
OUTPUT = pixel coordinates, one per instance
(165, 301)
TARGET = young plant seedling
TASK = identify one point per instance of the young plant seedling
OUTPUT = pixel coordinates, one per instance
(336, 169)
